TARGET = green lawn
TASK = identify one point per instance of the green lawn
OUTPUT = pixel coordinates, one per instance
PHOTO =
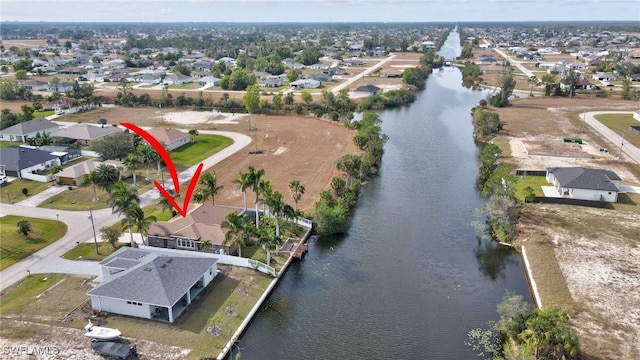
(15, 247)
(535, 182)
(196, 151)
(25, 293)
(87, 251)
(185, 86)
(620, 124)
(13, 189)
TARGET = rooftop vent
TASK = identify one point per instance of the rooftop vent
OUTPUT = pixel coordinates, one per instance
(147, 269)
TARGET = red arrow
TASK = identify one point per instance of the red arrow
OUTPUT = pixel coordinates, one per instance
(172, 170)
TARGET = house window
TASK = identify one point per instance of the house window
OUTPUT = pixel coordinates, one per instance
(188, 243)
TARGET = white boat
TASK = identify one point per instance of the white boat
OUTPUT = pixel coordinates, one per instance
(101, 333)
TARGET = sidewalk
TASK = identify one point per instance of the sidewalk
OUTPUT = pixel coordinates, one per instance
(37, 199)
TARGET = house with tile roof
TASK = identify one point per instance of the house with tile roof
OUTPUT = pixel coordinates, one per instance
(584, 183)
(151, 285)
(170, 138)
(84, 133)
(201, 224)
(28, 129)
(74, 175)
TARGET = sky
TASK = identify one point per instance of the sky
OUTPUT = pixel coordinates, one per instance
(317, 10)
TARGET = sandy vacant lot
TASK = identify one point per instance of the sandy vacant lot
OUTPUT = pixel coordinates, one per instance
(595, 251)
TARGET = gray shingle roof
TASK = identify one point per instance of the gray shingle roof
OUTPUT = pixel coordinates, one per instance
(30, 126)
(156, 279)
(584, 178)
(15, 158)
(85, 132)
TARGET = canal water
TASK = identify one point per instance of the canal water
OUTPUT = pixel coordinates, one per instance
(411, 278)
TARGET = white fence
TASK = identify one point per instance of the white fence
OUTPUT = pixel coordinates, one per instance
(36, 177)
(222, 259)
(298, 221)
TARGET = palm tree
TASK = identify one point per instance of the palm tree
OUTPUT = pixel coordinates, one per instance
(297, 190)
(211, 188)
(148, 155)
(254, 177)
(268, 239)
(106, 176)
(166, 205)
(278, 209)
(90, 178)
(135, 217)
(532, 80)
(121, 199)
(237, 231)
(205, 244)
(243, 184)
(131, 164)
(266, 189)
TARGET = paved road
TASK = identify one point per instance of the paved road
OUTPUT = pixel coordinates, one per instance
(79, 225)
(515, 63)
(367, 71)
(617, 140)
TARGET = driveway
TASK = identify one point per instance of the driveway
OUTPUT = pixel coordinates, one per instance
(79, 225)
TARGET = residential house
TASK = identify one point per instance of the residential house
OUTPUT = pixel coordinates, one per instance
(23, 131)
(177, 79)
(320, 76)
(335, 70)
(202, 224)
(21, 162)
(354, 62)
(60, 87)
(270, 82)
(64, 153)
(367, 89)
(305, 84)
(170, 138)
(207, 81)
(74, 175)
(150, 285)
(584, 183)
(486, 60)
(636, 114)
(84, 133)
(35, 85)
(604, 76)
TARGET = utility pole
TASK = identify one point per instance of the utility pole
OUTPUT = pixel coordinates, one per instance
(621, 144)
(93, 226)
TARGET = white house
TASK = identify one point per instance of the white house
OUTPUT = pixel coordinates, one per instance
(305, 84)
(585, 184)
(636, 114)
(27, 163)
(28, 129)
(151, 285)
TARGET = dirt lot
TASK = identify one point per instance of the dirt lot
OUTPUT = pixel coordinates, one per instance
(293, 147)
(584, 260)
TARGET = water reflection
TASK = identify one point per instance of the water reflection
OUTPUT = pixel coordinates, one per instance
(493, 259)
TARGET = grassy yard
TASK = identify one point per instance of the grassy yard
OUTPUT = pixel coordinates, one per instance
(185, 86)
(224, 304)
(81, 197)
(15, 247)
(535, 182)
(194, 152)
(620, 124)
(87, 251)
(13, 190)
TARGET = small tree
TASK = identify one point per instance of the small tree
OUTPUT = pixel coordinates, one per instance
(25, 191)
(24, 228)
(111, 235)
(102, 121)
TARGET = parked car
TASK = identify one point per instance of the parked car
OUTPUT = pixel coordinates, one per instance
(3, 179)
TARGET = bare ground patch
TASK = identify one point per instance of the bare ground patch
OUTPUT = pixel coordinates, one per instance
(584, 260)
